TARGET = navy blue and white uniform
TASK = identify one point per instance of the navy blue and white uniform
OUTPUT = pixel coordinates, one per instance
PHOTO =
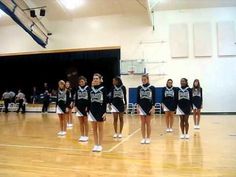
(118, 98)
(197, 98)
(98, 103)
(169, 99)
(145, 98)
(82, 100)
(184, 101)
(63, 101)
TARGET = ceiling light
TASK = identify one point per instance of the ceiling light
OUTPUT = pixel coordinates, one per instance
(71, 4)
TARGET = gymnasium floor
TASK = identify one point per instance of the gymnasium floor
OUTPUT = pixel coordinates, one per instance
(29, 146)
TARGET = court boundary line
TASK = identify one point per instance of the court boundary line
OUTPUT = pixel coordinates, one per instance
(124, 140)
(70, 149)
(41, 147)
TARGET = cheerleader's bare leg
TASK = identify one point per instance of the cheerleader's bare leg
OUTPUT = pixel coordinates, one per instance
(121, 117)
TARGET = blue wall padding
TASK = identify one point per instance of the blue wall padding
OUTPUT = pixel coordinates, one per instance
(133, 95)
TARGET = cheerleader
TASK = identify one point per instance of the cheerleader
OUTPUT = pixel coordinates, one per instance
(169, 104)
(82, 105)
(197, 103)
(145, 102)
(118, 104)
(69, 114)
(63, 103)
(97, 110)
(184, 107)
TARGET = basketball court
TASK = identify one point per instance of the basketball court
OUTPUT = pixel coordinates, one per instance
(30, 147)
(47, 41)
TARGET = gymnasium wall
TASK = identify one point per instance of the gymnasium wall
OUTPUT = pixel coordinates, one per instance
(137, 40)
(114, 30)
(217, 74)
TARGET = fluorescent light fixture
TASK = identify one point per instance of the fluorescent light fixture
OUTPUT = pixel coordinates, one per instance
(71, 4)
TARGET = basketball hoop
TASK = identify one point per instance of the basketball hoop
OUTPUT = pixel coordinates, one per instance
(131, 72)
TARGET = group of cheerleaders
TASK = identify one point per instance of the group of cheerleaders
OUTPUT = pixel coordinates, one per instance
(91, 102)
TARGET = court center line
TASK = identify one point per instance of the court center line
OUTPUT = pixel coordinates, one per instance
(125, 139)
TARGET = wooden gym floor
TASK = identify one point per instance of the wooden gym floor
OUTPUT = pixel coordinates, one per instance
(30, 147)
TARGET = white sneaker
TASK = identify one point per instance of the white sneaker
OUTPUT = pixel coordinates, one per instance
(95, 148)
(120, 135)
(170, 130)
(148, 141)
(63, 133)
(99, 148)
(115, 135)
(60, 133)
(86, 138)
(167, 130)
(195, 126)
(182, 136)
(187, 136)
(69, 125)
(81, 138)
(143, 141)
(198, 126)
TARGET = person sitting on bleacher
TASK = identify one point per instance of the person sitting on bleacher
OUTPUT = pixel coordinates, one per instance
(6, 98)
